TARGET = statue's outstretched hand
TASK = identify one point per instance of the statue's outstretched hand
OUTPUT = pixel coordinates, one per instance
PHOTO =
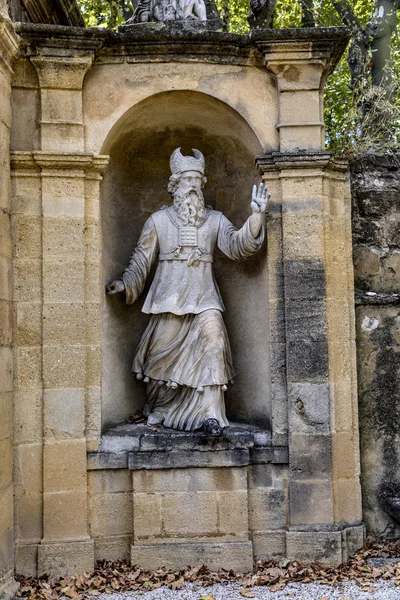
(115, 287)
(260, 198)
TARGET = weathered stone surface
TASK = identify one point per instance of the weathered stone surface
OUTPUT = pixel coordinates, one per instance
(237, 556)
(65, 559)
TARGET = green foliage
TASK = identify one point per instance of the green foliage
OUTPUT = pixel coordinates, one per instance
(343, 108)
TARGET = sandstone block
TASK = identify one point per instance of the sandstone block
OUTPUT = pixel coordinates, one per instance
(28, 323)
(308, 546)
(5, 279)
(6, 412)
(110, 482)
(6, 503)
(61, 105)
(28, 416)
(311, 502)
(6, 369)
(347, 500)
(65, 559)
(6, 248)
(63, 237)
(233, 514)
(237, 556)
(93, 322)
(64, 323)
(111, 514)
(190, 480)
(26, 193)
(64, 367)
(65, 515)
(303, 236)
(147, 517)
(28, 468)
(26, 560)
(93, 365)
(311, 456)
(64, 413)
(93, 413)
(344, 454)
(29, 516)
(65, 466)
(28, 367)
(352, 540)
(6, 462)
(93, 239)
(63, 280)
(6, 331)
(269, 544)
(309, 409)
(190, 513)
(268, 508)
(63, 137)
(113, 548)
(27, 236)
(27, 280)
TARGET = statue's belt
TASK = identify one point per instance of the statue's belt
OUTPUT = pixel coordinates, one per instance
(192, 256)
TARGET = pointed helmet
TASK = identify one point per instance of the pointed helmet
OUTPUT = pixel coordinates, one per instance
(180, 163)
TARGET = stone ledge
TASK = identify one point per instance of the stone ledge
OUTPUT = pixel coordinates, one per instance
(235, 556)
(138, 446)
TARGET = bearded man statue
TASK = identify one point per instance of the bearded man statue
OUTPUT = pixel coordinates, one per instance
(184, 355)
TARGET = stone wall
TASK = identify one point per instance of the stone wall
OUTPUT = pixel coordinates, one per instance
(85, 102)
(8, 50)
(376, 239)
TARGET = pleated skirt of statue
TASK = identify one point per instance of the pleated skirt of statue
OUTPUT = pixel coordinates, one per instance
(186, 351)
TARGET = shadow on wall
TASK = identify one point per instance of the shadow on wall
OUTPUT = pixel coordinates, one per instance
(135, 186)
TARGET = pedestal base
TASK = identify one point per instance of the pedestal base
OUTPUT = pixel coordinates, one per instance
(236, 556)
(330, 547)
(65, 558)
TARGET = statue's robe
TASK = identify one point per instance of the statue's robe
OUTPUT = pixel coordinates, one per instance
(185, 343)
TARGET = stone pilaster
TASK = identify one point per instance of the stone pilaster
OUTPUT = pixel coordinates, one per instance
(324, 491)
(70, 310)
(8, 50)
(300, 62)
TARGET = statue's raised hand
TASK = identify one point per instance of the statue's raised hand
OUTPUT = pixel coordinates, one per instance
(260, 198)
(115, 287)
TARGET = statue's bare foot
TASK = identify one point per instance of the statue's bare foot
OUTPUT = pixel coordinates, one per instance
(212, 427)
(155, 418)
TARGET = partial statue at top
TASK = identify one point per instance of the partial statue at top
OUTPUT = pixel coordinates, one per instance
(184, 355)
(194, 13)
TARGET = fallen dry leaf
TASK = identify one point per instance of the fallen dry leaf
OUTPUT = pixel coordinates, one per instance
(207, 598)
(247, 593)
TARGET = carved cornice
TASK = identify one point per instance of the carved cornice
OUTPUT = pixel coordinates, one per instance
(36, 161)
(313, 44)
(9, 43)
(278, 161)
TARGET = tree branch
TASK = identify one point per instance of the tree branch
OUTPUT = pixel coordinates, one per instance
(347, 15)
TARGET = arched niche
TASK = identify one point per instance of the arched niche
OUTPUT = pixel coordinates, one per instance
(135, 185)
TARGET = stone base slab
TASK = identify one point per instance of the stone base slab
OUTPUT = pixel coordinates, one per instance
(328, 547)
(65, 558)
(237, 556)
(8, 585)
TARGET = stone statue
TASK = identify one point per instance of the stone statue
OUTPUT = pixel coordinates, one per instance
(168, 10)
(184, 355)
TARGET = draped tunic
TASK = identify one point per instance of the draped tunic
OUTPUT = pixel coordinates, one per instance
(184, 279)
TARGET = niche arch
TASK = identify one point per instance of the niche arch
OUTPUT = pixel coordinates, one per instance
(134, 186)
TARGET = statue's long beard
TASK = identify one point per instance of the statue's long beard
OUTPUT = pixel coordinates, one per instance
(190, 207)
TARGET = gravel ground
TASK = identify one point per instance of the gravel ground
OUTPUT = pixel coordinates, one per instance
(383, 590)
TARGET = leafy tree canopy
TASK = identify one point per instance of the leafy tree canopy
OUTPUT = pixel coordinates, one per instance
(350, 114)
